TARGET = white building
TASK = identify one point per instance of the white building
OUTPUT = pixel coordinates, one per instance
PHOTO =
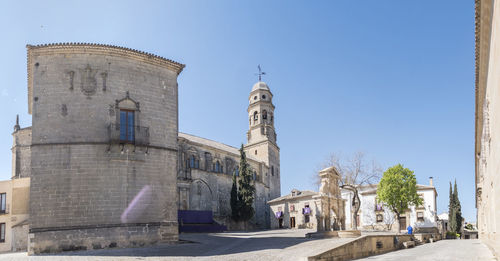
(373, 215)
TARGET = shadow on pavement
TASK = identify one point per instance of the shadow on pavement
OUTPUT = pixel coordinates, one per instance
(200, 245)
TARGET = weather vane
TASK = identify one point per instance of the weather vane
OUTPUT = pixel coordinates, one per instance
(260, 73)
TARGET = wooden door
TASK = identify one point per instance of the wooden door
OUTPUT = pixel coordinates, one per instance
(402, 223)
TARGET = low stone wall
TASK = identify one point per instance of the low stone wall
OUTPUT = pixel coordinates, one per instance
(105, 236)
(425, 237)
(363, 247)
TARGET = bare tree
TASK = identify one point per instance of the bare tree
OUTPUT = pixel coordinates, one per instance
(389, 220)
(354, 172)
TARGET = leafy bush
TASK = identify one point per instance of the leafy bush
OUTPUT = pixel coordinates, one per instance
(452, 235)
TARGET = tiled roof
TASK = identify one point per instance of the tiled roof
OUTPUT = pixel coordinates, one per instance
(214, 144)
(95, 45)
(303, 193)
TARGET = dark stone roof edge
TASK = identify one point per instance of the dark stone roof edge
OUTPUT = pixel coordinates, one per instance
(106, 46)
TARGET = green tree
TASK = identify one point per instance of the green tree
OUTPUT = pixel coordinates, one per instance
(457, 210)
(234, 199)
(451, 212)
(246, 189)
(398, 190)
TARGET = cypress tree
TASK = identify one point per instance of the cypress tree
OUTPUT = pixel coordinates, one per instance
(246, 189)
(457, 210)
(234, 200)
(451, 212)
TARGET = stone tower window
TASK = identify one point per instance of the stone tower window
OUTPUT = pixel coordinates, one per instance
(255, 152)
(127, 125)
(264, 114)
(127, 120)
(255, 116)
(272, 170)
(263, 97)
(255, 97)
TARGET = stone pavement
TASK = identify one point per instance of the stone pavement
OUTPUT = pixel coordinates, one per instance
(273, 245)
(471, 249)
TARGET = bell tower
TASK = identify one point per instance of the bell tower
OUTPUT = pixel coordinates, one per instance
(261, 135)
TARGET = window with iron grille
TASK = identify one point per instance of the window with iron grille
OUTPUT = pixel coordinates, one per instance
(420, 216)
(127, 126)
(3, 205)
(2, 232)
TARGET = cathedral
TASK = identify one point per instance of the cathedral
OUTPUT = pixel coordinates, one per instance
(206, 167)
(104, 165)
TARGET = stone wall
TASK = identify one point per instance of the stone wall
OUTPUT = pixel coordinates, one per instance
(363, 247)
(20, 237)
(487, 150)
(81, 238)
(86, 186)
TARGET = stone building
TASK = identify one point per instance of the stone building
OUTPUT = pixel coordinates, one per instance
(487, 139)
(14, 194)
(373, 215)
(295, 210)
(103, 147)
(103, 161)
(323, 210)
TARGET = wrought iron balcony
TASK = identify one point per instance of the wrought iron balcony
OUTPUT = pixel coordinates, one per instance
(139, 135)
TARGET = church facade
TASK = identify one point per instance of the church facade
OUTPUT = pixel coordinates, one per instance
(106, 164)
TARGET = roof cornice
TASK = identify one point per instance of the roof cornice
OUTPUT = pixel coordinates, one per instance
(103, 49)
(483, 19)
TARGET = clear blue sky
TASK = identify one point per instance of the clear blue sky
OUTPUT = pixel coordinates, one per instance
(394, 79)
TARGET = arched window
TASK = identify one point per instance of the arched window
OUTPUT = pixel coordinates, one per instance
(264, 115)
(272, 170)
(237, 171)
(192, 161)
(255, 116)
(254, 175)
(217, 166)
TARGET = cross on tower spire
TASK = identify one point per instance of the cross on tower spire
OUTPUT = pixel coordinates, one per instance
(260, 73)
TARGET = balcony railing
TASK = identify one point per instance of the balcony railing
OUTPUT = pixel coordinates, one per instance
(140, 135)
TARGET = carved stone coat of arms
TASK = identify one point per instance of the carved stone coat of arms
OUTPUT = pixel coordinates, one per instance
(89, 82)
